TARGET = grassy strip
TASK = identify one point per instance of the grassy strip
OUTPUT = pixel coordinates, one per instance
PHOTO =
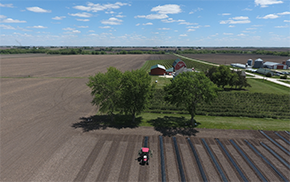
(264, 86)
(214, 122)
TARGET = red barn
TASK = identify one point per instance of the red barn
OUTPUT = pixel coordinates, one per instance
(157, 70)
(178, 64)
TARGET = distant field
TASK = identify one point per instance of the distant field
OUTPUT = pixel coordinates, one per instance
(235, 58)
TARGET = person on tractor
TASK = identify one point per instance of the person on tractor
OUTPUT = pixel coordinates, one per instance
(144, 153)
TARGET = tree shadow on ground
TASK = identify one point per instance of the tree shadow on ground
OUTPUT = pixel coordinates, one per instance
(102, 122)
(170, 126)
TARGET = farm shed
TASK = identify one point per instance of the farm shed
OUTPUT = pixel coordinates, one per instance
(258, 63)
(238, 65)
(264, 71)
(272, 65)
(178, 64)
(157, 70)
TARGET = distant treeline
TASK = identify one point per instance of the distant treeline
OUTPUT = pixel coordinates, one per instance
(84, 50)
(262, 52)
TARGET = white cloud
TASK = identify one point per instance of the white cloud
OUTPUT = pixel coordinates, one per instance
(58, 17)
(288, 21)
(228, 33)
(10, 20)
(247, 9)
(152, 16)
(284, 13)
(265, 3)
(241, 18)
(2, 16)
(110, 12)
(82, 15)
(112, 21)
(167, 9)
(120, 16)
(83, 26)
(269, 16)
(231, 26)
(195, 27)
(38, 26)
(7, 27)
(191, 30)
(149, 23)
(285, 26)
(68, 28)
(164, 28)
(83, 19)
(38, 10)
(240, 35)
(98, 7)
(198, 9)
(71, 30)
(162, 12)
(6, 5)
(185, 23)
(137, 24)
(226, 14)
(183, 35)
(105, 27)
(236, 20)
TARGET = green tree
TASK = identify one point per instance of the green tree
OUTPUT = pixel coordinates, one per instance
(233, 79)
(188, 89)
(106, 90)
(136, 91)
(222, 76)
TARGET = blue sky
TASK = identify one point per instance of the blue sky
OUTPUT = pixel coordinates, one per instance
(257, 23)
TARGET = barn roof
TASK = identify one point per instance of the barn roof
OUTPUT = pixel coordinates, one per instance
(175, 62)
(158, 66)
(271, 64)
(169, 69)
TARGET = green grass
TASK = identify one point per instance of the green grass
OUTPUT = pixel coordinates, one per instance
(214, 122)
(161, 81)
(264, 86)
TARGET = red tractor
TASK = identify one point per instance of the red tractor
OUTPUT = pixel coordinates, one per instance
(144, 155)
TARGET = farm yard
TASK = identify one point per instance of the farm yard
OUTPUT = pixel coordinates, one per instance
(227, 59)
(46, 109)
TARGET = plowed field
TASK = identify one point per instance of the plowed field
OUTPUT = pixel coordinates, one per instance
(39, 143)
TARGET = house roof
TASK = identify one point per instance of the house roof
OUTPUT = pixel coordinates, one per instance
(158, 66)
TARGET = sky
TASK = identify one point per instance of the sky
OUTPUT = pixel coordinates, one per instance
(218, 23)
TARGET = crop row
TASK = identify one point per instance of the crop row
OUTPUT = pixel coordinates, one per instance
(231, 104)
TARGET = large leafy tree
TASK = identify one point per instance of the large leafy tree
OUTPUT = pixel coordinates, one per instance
(188, 89)
(222, 76)
(136, 91)
(106, 90)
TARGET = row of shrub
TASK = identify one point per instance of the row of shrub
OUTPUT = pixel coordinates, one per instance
(243, 104)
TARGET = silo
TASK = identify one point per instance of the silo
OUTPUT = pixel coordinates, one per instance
(288, 62)
(258, 63)
(250, 62)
